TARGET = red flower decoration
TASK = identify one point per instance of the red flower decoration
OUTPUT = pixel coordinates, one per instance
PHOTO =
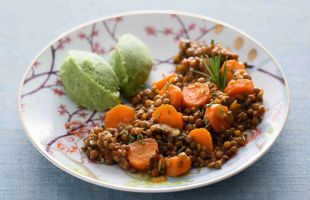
(167, 31)
(181, 31)
(73, 149)
(60, 146)
(62, 109)
(58, 82)
(94, 33)
(36, 64)
(203, 29)
(97, 48)
(82, 114)
(60, 46)
(81, 35)
(67, 40)
(58, 92)
(70, 139)
(177, 38)
(102, 118)
(150, 30)
(118, 19)
(191, 26)
(76, 128)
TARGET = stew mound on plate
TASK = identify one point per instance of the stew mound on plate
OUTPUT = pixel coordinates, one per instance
(194, 117)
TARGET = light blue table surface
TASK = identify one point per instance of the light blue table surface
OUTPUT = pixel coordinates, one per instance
(283, 26)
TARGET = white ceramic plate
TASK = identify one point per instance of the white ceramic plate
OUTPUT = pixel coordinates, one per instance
(56, 125)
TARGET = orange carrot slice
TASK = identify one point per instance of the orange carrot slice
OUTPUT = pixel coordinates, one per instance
(216, 116)
(161, 83)
(196, 94)
(232, 67)
(167, 114)
(140, 153)
(240, 86)
(178, 165)
(203, 137)
(119, 114)
(175, 95)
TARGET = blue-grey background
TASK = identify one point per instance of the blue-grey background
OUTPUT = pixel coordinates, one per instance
(283, 26)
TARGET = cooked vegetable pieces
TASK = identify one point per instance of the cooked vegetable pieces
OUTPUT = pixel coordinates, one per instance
(140, 152)
(203, 137)
(196, 94)
(166, 79)
(120, 114)
(216, 115)
(240, 86)
(178, 165)
(233, 66)
(167, 114)
(175, 95)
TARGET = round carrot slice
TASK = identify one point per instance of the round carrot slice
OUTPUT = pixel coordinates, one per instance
(140, 152)
(196, 94)
(161, 83)
(203, 137)
(175, 95)
(232, 66)
(216, 116)
(239, 86)
(178, 165)
(167, 114)
(119, 114)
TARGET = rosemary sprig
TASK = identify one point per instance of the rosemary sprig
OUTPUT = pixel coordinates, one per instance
(213, 67)
(200, 73)
(207, 124)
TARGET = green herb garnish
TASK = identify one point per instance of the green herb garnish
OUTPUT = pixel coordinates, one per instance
(213, 95)
(210, 104)
(212, 42)
(167, 85)
(199, 72)
(124, 131)
(140, 137)
(213, 67)
(130, 137)
(207, 124)
(158, 115)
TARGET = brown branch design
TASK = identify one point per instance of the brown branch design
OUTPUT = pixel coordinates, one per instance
(76, 127)
(59, 45)
(48, 75)
(78, 162)
(112, 32)
(281, 79)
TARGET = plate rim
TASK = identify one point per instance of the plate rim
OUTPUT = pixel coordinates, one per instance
(245, 165)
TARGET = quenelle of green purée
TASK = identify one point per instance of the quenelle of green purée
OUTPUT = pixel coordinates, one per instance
(132, 63)
(89, 80)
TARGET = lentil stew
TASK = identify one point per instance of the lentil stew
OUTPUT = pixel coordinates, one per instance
(195, 117)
